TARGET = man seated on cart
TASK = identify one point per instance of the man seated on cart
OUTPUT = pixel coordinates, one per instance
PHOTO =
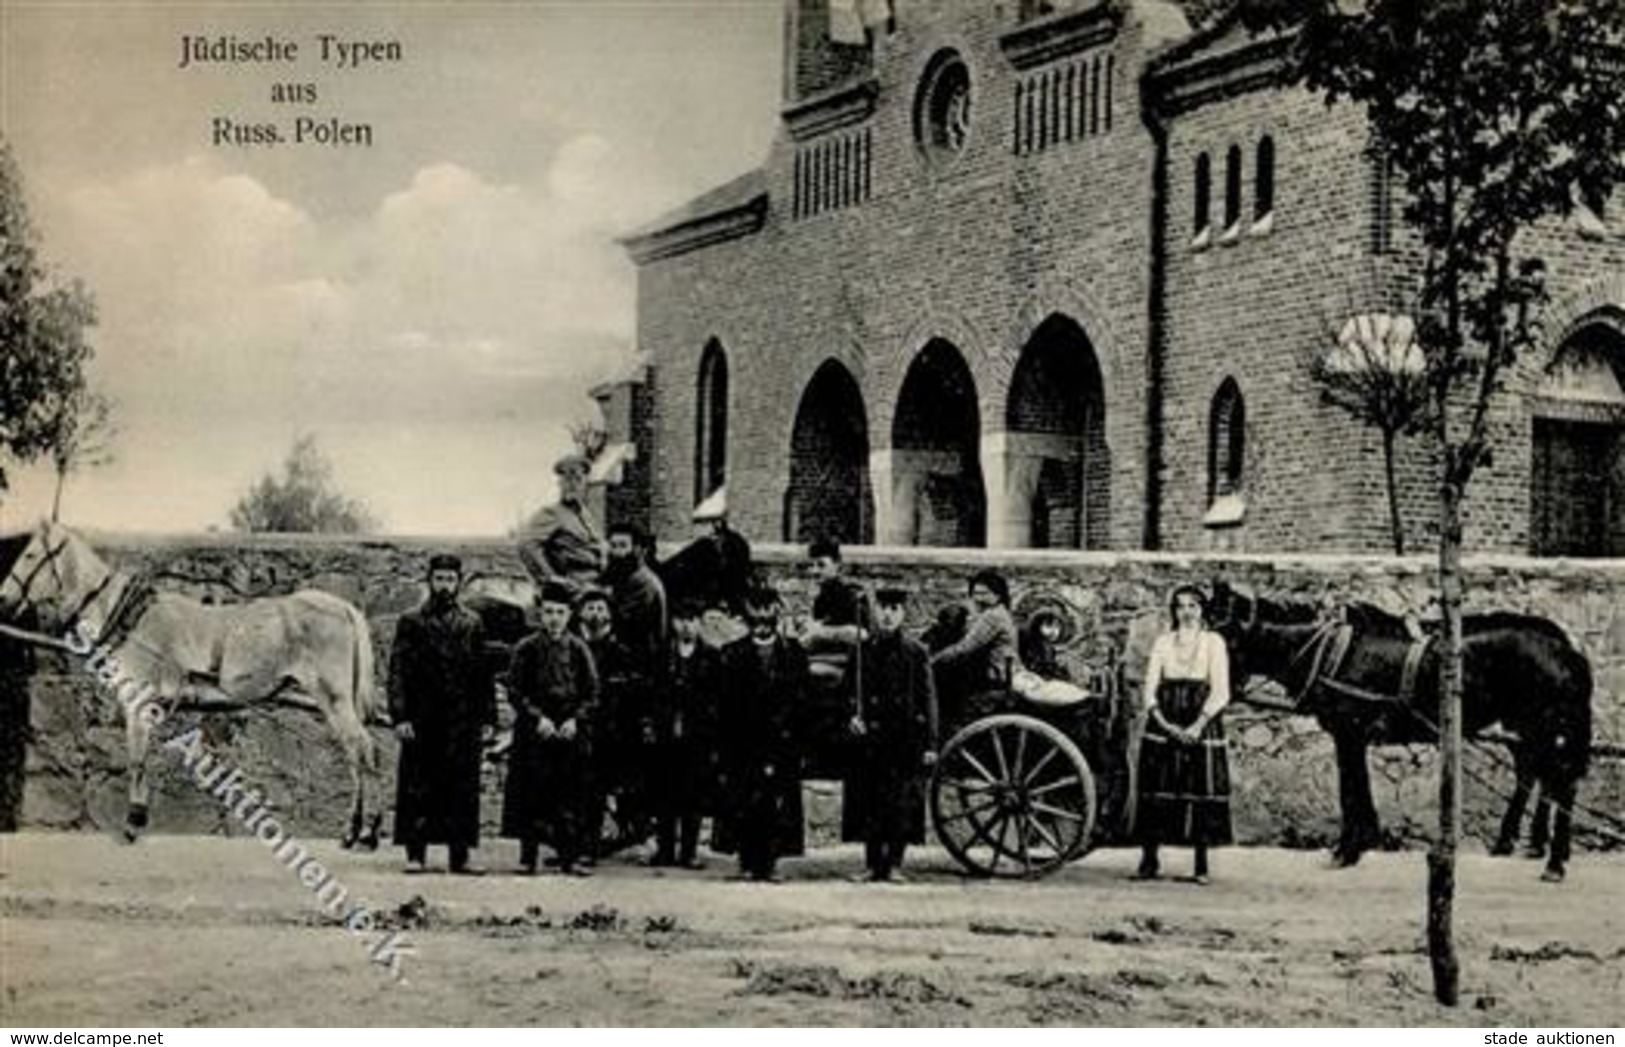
(982, 661)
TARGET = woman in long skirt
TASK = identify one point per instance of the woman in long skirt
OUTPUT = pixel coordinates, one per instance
(1184, 770)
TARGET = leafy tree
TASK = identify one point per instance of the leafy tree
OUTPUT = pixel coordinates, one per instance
(1494, 112)
(302, 499)
(43, 349)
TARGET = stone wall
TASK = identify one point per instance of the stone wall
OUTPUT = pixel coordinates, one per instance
(1284, 771)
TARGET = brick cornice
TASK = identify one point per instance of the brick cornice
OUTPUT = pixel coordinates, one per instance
(718, 227)
(1188, 82)
(849, 103)
(1048, 39)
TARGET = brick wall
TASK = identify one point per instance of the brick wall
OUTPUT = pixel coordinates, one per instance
(1285, 791)
(1043, 214)
(977, 251)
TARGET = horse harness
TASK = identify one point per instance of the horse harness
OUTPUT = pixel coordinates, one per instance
(1327, 650)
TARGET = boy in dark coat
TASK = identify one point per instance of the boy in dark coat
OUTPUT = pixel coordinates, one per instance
(764, 679)
(554, 689)
(442, 699)
(894, 722)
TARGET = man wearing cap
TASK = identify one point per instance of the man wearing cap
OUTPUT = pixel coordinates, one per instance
(561, 542)
(622, 722)
(764, 677)
(684, 713)
(894, 720)
(442, 699)
(554, 689)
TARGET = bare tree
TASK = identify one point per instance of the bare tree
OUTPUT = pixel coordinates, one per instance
(83, 436)
(1374, 370)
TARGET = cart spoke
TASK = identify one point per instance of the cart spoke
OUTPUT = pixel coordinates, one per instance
(1021, 757)
(1049, 787)
(968, 812)
(1048, 837)
(987, 775)
(1043, 761)
(1071, 816)
(969, 786)
(998, 752)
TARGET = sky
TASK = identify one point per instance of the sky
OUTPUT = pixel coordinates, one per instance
(434, 307)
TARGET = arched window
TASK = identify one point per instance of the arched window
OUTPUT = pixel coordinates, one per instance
(711, 423)
(1227, 440)
(1203, 195)
(1264, 179)
(1232, 187)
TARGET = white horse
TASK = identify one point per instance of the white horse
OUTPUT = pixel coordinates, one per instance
(159, 651)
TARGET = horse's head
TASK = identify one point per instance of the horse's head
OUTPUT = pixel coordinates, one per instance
(1255, 628)
(50, 576)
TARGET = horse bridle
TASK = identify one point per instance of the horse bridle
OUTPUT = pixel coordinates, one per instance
(71, 619)
(1315, 646)
(26, 585)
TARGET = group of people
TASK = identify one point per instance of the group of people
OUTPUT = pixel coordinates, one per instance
(616, 692)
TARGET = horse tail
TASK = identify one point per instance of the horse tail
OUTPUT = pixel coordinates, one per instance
(363, 683)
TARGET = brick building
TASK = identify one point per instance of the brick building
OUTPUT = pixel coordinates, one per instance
(1038, 274)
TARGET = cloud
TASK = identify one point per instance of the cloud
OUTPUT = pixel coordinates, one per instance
(458, 305)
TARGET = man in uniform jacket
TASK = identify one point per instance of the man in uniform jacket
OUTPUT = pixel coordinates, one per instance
(554, 689)
(894, 725)
(561, 542)
(683, 706)
(764, 676)
(442, 699)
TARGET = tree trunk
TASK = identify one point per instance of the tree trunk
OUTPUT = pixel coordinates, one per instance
(56, 497)
(1442, 857)
(1396, 526)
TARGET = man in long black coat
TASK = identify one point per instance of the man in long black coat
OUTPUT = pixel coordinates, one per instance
(683, 706)
(622, 733)
(443, 701)
(764, 678)
(554, 689)
(894, 724)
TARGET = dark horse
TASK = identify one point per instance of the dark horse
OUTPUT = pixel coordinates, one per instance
(1369, 680)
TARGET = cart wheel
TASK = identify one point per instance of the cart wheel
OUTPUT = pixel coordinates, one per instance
(1012, 796)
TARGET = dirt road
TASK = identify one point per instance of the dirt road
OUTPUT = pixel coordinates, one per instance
(209, 931)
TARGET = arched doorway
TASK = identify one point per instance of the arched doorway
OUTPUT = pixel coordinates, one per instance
(1577, 459)
(829, 494)
(1058, 468)
(936, 435)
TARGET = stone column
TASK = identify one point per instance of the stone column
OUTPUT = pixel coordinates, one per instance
(1011, 465)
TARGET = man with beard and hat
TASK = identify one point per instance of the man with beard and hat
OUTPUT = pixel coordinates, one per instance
(442, 698)
(623, 731)
(561, 542)
(638, 597)
(894, 721)
(553, 686)
(764, 680)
